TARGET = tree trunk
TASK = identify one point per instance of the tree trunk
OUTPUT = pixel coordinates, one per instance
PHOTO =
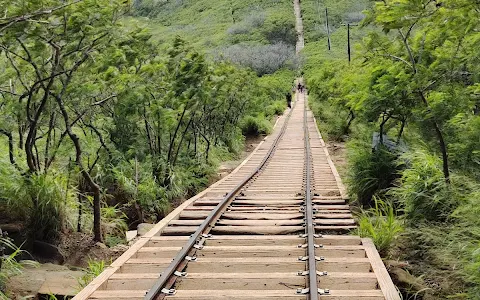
(441, 141)
(94, 187)
(10, 146)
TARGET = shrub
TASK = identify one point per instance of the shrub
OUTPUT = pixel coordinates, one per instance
(276, 108)
(333, 119)
(381, 224)
(370, 172)
(38, 199)
(423, 191)
(263, 59)
(255, 125)
(252, 21)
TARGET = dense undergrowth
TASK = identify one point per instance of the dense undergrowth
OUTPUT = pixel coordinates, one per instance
(114, 111)
(408, 108)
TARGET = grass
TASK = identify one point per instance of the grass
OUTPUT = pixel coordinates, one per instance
(95, 268)
(381, 224)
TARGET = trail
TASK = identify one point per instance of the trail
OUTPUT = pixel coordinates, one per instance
(299, 26)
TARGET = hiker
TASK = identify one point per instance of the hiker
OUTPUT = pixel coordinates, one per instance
(289, 100)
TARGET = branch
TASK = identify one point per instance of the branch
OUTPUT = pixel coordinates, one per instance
(7, 22)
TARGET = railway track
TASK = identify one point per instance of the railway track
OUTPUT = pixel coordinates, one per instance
(275, 228)
(270, 230)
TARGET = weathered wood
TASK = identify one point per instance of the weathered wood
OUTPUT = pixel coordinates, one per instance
(237, 295)
(261, 216)
(384, 281)
(257, 229)
(277, 222)
(241, 281)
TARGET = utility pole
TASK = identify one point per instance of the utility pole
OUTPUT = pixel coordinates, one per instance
(348, 43)
(349, 51)
(328, 28)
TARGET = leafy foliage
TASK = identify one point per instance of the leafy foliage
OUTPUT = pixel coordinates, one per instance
(413, 80)
(104, 127)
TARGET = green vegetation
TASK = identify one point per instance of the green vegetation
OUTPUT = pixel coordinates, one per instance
(381, 225)
(112, 111)
(9, 264)
(413, 82)
(94, 268)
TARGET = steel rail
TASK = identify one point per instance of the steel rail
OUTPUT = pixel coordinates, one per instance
(157, 288)
(309, 229)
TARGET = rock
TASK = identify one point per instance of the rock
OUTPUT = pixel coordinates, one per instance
(404, 279)
(57, 279)
(101, 245)
(48, 251)
(131, 234)
(12, 228)
(143, 228)
(119, 248)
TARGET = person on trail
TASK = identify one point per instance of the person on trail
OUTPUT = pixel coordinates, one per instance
(289, 99)
(299, 87)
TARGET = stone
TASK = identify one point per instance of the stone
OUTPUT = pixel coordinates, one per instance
(131, 234)
(143, 228)
(48, 251)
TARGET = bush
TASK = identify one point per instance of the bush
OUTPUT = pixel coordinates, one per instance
(37, 199)
(252, 21)
(333, 119)
(263, 59)
(381, 224)
(276, 108)
(255, 125)
(423, 191)
(370, 172)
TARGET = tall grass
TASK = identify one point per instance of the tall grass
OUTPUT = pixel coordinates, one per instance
(381, 224)
(94, 268)
(370, 172)
(422, 189)
(38, 199)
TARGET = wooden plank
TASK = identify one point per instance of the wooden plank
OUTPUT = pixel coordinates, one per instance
(119, 295)
(241, 281)
(384, 280)
(262, 216)
(185, 222)
(250, 251)
(179, 230)
(236, 294)
(334, 228)
(348, 281)
(167, 241)
(246, 265)
(334, 221)
(295, 222)
(257, 229)
(344, 264)
(331, 215)
(341, 251)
